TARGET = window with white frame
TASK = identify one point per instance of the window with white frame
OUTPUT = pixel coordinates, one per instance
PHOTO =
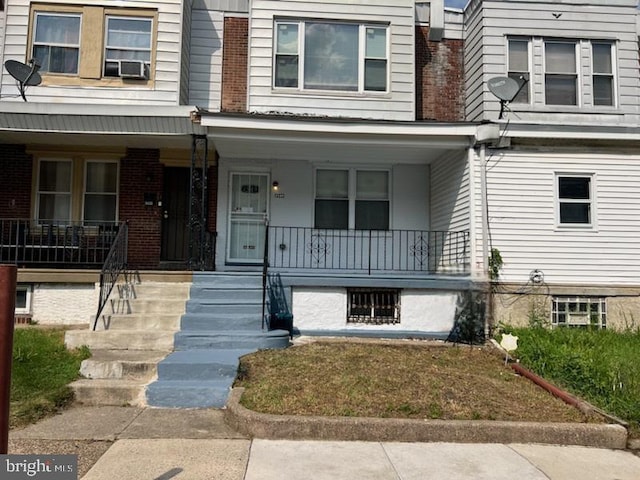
(579, 312)
(518, 67)
(321, 55)
(126, 38)
(100, 192)
(352, 199)
(575, 199)
(77, 189)
(603, 77)
(23, 299)
(561, 77)
(56, 42)
(54, 190)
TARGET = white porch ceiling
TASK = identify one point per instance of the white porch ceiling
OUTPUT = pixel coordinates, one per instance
(253, 137)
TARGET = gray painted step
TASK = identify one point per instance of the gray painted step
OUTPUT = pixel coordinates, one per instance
(221, 321)
(226, 295)
(189, 394)
(227, 280)
(207, 306)
(201, 364)
(229, 339)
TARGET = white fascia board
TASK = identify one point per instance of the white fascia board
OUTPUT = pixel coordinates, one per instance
(344, 127)
(577, 132)
(97, 110)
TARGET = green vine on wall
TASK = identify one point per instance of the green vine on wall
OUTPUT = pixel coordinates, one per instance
(495, 264)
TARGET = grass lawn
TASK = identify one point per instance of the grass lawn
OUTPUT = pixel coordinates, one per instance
(601, 366)
(394, 379)
(41, 371)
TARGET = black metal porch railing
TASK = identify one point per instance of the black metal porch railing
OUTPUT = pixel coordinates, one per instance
(115, 265)
(59, 243)
(368, 251)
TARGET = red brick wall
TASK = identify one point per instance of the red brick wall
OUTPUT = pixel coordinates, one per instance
(140, 173)
(439, 78)
(16, 169)
(234, 64)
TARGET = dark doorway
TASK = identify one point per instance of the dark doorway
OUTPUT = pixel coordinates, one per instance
(175, 224)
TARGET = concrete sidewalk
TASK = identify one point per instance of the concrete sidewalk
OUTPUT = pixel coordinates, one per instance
(160, 444)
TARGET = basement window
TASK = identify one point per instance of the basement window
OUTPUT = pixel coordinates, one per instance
(374, 307)
(23, 299)
(579, 312)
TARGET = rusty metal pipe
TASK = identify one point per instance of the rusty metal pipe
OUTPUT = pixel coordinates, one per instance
(8, 278)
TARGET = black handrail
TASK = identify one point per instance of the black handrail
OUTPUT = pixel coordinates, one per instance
(114, 266)
(368, 251)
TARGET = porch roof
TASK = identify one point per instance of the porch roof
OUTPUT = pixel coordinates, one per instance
(313, 138)
(126, 125)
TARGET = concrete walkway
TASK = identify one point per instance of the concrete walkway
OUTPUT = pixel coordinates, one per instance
(162, 444)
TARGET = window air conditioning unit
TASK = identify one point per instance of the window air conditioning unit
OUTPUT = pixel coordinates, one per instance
(134, 69)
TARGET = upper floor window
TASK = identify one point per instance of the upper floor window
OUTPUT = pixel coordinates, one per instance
(89, 45)
(575, 199)
(519, 67)
(561, 77)
(127, 39)
(603, 79)
(315, 55)
(56, 42)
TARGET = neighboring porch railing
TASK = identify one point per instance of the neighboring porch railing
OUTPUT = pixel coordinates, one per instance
(368, 251)
(114, 266)
(55, 242)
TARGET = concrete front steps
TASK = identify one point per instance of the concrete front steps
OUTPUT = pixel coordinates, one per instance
(128, 343)
(222, 322)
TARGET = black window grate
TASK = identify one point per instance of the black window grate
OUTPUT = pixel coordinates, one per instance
(375, 307)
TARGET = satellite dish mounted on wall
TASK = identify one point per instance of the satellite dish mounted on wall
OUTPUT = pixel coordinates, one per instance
(505, 89)
(26, 75)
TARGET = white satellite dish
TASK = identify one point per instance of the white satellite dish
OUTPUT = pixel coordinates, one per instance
(26, 75)
(505, 89)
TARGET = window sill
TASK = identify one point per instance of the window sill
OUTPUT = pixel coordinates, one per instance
(576, 228)
(337, 94)
(565, 109)
(50, 80)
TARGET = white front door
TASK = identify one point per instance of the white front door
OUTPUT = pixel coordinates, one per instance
(248, 207)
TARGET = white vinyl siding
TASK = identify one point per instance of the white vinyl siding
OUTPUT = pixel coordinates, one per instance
(205, 73)
(167, 62)
(486, 52)
(522, 214)
(398, 103)
(450, 195)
